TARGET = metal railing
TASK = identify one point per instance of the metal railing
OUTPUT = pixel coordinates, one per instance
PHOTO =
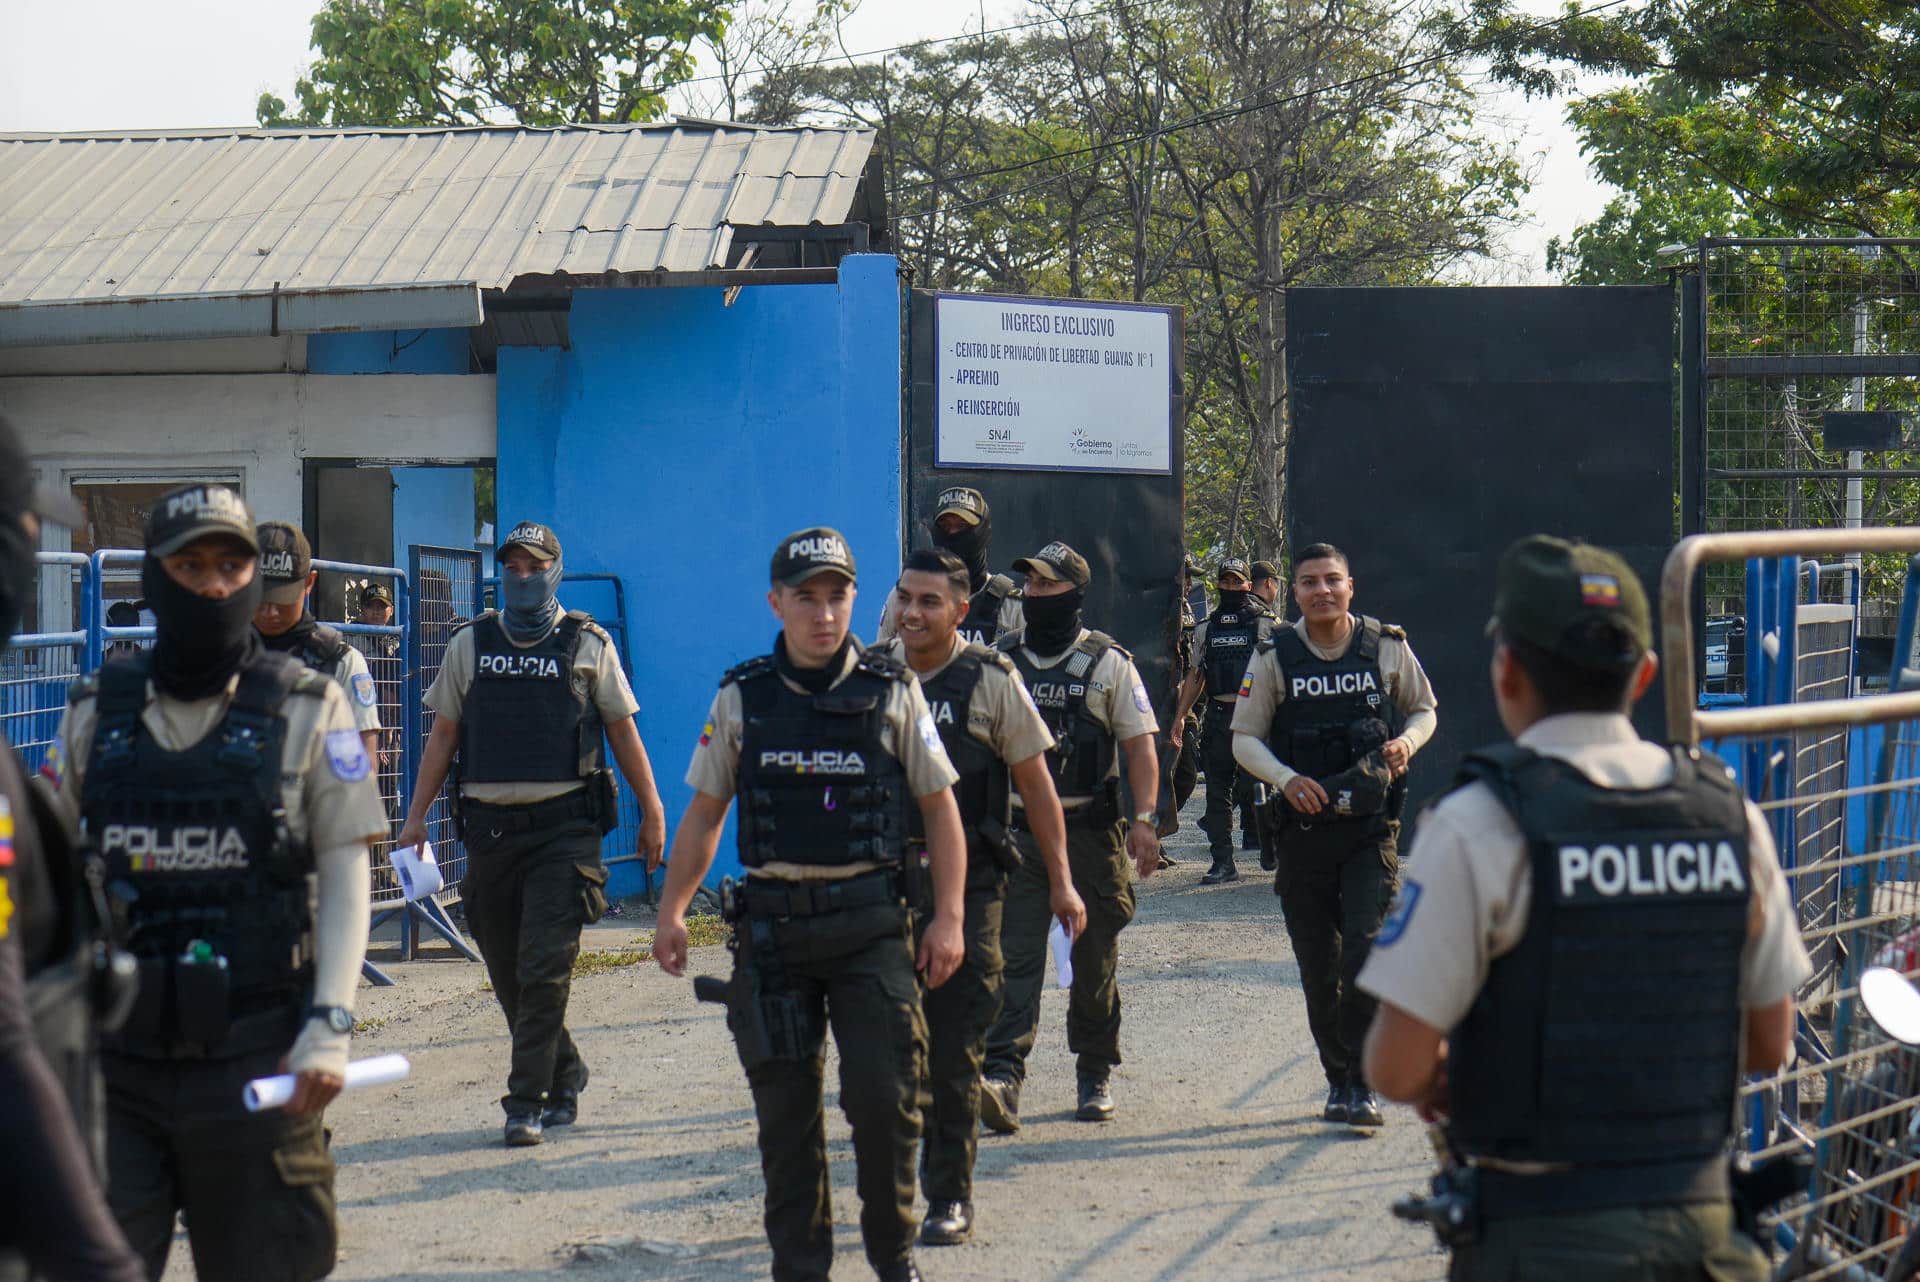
(1837, 778)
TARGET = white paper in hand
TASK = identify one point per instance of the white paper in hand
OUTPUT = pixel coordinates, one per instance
(419, 875)
(1062, 954)
(274, 1092)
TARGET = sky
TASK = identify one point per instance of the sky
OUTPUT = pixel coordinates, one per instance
(204, 63)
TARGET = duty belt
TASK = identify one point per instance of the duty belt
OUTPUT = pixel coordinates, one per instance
(517, 817)
(766, 897)
(1507, 1195)
(1099, 812)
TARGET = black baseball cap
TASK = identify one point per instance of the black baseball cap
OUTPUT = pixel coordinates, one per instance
(21, 491)
(286, 558)
(1233, 565)
(1550, 592)
(195, 512)
(535, 538)
(1263, 570)
(1057, 561)
(374, 592)
(967, 504)
(818, 549)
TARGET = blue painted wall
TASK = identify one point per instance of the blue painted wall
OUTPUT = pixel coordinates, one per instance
(679, 439)
(431, 505)
(413, 351)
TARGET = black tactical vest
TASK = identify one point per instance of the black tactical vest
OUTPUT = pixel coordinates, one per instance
(818, 782)
(323, 647)
(1325, 699)
(196, 848)
(982, 624)
(525, 720)
(1610, 1036)
(1083, 749)
(1231, 639)
(984, 793)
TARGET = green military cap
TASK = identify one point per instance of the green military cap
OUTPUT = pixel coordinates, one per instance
(1549, 591)
(1263, 570)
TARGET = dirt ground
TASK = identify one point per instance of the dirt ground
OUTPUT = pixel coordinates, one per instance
(1216, 1166)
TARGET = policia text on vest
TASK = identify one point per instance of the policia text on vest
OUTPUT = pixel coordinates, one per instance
(530, 698)
(1594, 928)
(821, 935)
(215, 780)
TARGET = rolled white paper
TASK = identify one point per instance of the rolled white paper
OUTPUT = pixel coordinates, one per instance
(419, 875)
(1062, 955)
(274, 1092)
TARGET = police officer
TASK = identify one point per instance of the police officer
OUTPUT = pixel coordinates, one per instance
(1266, 585)
(1222, 647)
(375, 609)
(963, 526)
(53, 1215)
(827, 749)
(1331, 711)
(287, 626)
(230, 800)
(530, 697)
(1094, 702)
(996, 740)
(1598, 944)
(1253, 813)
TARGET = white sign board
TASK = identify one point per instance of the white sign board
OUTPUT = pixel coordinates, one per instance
(1045, 384)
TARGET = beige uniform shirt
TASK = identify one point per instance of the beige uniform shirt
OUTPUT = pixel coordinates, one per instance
(351, 674)
(596, 673)
(1465, 899)
(913, 740)
(1116, 698)
(1012, 619)
(1000, 714)
(326, 779)
(1200, 662)
(1407, 685)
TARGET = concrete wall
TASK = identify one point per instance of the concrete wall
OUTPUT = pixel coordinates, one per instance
(679, 439)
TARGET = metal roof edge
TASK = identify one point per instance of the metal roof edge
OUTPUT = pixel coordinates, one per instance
(334, 131)
(430, 305)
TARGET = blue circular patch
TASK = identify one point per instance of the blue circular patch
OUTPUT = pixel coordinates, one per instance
(1401, 913)
(363, 692)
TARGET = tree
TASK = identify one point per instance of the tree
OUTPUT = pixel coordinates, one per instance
(532, 62)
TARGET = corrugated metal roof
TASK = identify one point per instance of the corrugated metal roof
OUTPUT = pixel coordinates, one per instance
(140, 215)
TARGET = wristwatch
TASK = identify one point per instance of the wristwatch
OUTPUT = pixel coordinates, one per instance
(338, 1018)
(1147, 817)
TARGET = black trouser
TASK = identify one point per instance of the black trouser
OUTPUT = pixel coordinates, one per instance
(1228, 785)
(1334, 890)
(257, 1187)
(959, 1013)
(852, 971)
(1097, 857)
(528, 891)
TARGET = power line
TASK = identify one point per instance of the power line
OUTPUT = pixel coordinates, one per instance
(1216, 115)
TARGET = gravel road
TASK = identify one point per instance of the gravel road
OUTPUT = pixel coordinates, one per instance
(1216, 1166)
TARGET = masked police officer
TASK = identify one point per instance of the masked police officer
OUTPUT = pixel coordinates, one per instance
(1329, 714)
(827, 748)
(996, 740)
(230, 799)
(963, 526)
(53, 1216)
(287, 626)
(1097, 708)
(1222, 647)
(1598, 943)
(530, 696)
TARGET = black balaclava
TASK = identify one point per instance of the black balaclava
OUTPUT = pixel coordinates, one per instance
(198, 642)
(1053, 622)
(970, 544)
(812, 680)
(295, 637)
(530, 606)
(1233, 601)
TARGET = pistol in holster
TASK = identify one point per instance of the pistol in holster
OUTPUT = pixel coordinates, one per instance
(999, 839)
(768, 1019)
(604, 795)
(1451, 1208)
(916, 880)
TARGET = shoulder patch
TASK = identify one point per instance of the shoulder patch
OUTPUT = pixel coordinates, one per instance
(347, 756)
(1399, 915)
(756, 667)
(364, 693)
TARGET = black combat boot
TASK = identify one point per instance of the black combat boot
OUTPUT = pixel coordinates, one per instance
(523, 1130)
(1000, 1105)
(1223, 870)
(947, 1223)
(1363, 1108)
(905, 1271)
(1337, 1103)
(1096, 1101)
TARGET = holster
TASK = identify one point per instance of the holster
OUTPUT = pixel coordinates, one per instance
(999, 841)
(768, 1020)
(605, 794)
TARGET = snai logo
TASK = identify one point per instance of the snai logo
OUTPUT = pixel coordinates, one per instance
(184, 849)
(538, 667)
(821, 761)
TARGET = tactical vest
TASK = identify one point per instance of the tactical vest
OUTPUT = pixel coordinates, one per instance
(984, 793)
(525, 720)
(1083, 749)
(818, 782)
(982, 624)
(196, 849)
(323, 647)
(1325, 699)
(1231, 639)
(1610, 1035)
